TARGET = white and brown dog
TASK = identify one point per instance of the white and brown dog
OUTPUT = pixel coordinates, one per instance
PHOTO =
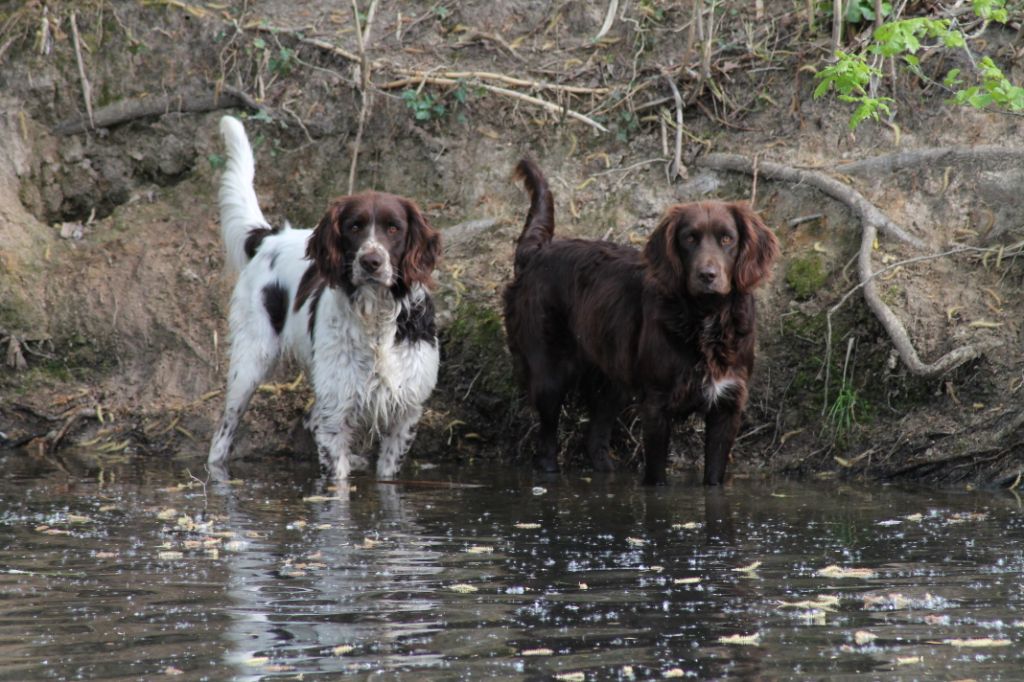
(349, 299)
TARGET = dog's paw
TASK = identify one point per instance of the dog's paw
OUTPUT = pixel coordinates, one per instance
(359, 462)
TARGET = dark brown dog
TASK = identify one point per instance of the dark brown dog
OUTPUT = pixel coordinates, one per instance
(673, 325)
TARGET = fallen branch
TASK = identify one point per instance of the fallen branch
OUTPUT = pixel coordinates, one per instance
(416, 77)
(472, 34)
(145, 106)
(312, 42)
(505, 92)
(871, 219)
(888, 163)
(864, 209)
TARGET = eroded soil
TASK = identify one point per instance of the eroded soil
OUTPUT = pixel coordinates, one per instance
(112, 292)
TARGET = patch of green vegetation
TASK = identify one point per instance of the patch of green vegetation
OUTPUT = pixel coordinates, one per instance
(806, 275)
(475, 341)
(424, 105)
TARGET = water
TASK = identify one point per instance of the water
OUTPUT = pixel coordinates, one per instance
(127, 568)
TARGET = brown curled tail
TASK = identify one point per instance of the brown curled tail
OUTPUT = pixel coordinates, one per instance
(540, 220)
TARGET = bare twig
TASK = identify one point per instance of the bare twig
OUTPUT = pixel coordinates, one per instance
(472, 34)
(550, 106)
(609, 19)
(363, 33)
(312, 42)
(86, 87)
(416, 77)
(677, 169)
(837, 25)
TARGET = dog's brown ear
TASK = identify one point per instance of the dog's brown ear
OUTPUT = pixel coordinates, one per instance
(422, 248)
(662, 252)
(758, 248)
(326, 248)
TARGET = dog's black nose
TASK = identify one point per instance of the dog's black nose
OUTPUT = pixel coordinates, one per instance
(707, 275)
(371, 262)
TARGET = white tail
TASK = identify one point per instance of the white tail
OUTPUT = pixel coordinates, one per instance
(239, 209)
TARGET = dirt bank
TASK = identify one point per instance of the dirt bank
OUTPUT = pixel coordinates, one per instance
(112, 292)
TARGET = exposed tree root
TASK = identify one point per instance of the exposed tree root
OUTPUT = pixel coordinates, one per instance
(141, 107)
(888, 163)
(864, 209)
(871, 219)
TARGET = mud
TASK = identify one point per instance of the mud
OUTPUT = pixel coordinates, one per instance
(112, 290)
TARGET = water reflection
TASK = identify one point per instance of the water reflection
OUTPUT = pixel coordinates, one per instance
(128, 568)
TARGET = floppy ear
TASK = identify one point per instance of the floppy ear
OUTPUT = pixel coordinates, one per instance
(758, 248)
(422, 248)
(662, 253)
(325, 245)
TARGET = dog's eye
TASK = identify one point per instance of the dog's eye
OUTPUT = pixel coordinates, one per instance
(690, 239)
(355, 227)
(726, 240)
(392, 228)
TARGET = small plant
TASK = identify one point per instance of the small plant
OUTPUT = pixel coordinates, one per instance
(626, 125)
(424, 106)
(995, 89)
(850, 76)
(853, 78)
(282, 63)
(842, 415)
(216, 161)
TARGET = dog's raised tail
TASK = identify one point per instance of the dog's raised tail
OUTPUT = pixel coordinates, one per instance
(240, 212)
(540, 220)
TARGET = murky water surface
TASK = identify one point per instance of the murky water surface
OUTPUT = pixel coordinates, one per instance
(130, 569)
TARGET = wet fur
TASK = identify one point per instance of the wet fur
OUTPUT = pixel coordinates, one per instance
(349, 299)
(672, 325)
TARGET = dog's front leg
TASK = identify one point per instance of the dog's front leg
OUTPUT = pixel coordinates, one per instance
(396, 442)
(333, 434)
(720, 428)
(657, 429)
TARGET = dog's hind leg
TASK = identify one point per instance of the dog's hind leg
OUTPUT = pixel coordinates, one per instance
(604, 402)
(547, 394)
(252, 359)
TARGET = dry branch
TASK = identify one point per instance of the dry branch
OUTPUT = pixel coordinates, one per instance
(312, 42)
(505, 92)
(871, 219)
(416, 77)
(144, 106)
